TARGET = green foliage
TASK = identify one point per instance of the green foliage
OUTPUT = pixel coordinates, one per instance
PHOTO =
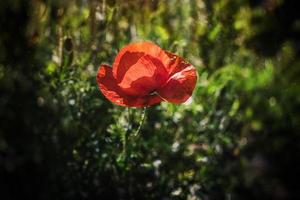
(236, 138)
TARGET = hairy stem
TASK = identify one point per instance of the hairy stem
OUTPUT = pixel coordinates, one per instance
(141, 122)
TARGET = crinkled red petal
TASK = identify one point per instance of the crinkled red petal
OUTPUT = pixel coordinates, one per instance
(175, 64)
(130, 55)
(110, 89)
(182, 81)
(144, 77)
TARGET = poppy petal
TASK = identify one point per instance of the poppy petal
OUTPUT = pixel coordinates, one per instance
(144, 77)
(140, 102)
(130, 54)
(180, 85)
(110, 89)
(176, 63)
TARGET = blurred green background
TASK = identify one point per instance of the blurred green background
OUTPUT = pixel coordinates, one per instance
(237, 138)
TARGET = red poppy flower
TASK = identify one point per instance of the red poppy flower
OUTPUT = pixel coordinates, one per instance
(143, 74)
